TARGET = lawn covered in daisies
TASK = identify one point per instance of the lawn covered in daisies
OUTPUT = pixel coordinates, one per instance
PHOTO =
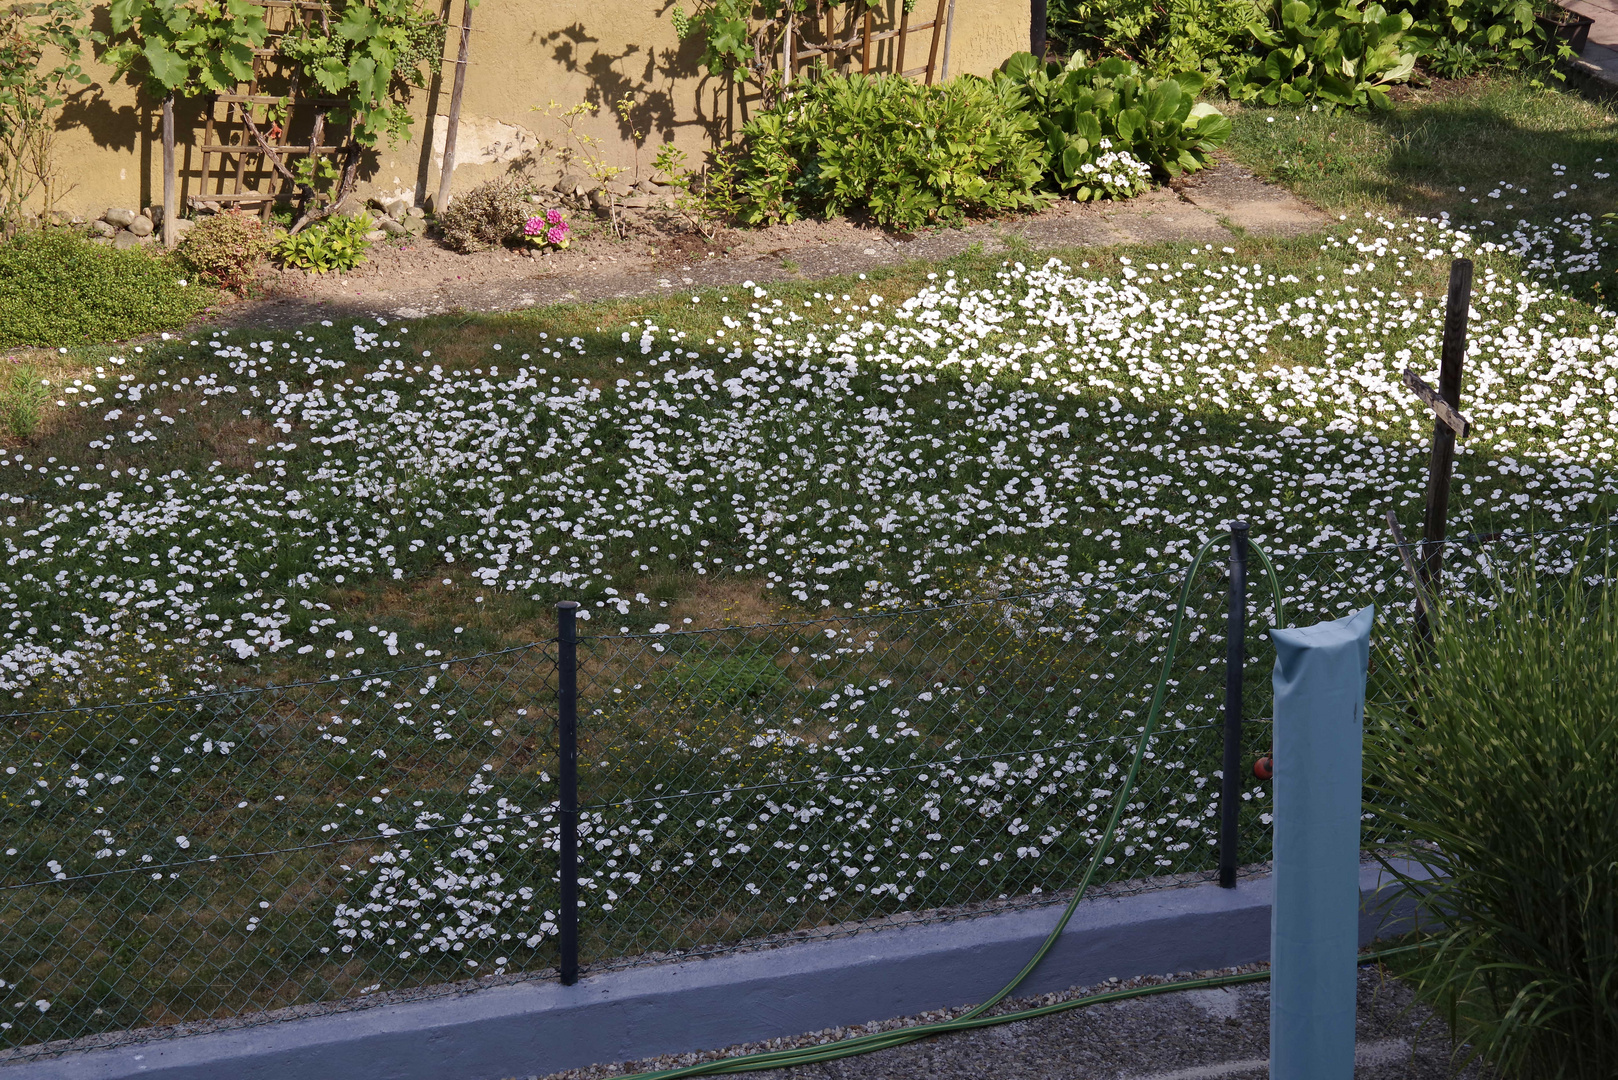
(1037, 425)
(348, 499)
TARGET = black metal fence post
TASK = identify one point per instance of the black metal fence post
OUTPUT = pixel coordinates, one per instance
(567, 723)
(1235, 658)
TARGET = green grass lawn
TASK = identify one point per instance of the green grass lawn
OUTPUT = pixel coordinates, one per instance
(1442, 149)
(249, 508)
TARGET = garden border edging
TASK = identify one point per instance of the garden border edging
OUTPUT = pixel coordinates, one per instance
(542, 1027)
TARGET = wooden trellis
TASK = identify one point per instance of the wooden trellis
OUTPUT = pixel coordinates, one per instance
(246, 157)
(859, 32)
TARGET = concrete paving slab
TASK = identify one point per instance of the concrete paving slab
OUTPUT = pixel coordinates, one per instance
(1600, 58)
(1161, 215)
(1241, 200)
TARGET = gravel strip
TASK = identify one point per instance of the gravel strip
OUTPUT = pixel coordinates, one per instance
(1196, 1034)
(836, 1034)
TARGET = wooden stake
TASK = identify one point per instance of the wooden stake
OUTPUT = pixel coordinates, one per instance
(786, 52)
(170, 233)
(865, 54)
(1410, 564)
(831, 30)
(1442, 464)
(447, 172)
(904, 34)
(932, 55)
(1441, 408)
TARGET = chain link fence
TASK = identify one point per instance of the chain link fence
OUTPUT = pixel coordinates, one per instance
(215, 858)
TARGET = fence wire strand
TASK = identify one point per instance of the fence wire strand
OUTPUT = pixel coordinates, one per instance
(224, 856)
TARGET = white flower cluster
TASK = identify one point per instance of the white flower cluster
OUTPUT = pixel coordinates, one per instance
(1116, 174)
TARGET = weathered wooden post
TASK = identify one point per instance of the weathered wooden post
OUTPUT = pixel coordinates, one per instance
(447, 171)
(170, 233)
(1448, 425)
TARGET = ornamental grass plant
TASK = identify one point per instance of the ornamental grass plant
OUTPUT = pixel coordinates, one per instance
(1504, 775)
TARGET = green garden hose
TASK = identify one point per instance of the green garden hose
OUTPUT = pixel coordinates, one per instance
(974, 1017)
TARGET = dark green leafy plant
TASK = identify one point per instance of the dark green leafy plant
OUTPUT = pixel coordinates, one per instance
(373, 53)
(1461, 37)
(1079, 107)
(225, 248)
(57, 288)
(907, 155)
(722, 26)
(1163, 36)
(1340, 55)
(1504, 776)
(334, 243)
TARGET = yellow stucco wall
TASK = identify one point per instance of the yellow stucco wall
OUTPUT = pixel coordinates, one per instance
(524, 53)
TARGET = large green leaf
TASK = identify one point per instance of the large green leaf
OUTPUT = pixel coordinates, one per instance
(122, 13)
(1129, 122)
(1162, 101)
(1021, 66)
(167, 67)
(237, 59)
(357, 24)
(332, 74)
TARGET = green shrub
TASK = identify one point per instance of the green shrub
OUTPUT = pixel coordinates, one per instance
(334, 243)
(1504, 774)
(224, 249)
(487, 216)
(1460, 37)
(1340, 55)
(1281, 52)
(905, 154)
(57, 288)
(1163, 36)
(1084, 111)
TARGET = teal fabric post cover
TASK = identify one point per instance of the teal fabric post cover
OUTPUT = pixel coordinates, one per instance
(1314, 928)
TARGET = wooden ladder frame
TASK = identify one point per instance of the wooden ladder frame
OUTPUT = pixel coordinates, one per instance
(794, 52)
(252, 141)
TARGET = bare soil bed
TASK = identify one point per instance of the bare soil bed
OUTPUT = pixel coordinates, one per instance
(661, 250)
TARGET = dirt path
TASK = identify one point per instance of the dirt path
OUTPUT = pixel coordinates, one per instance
(425, 279)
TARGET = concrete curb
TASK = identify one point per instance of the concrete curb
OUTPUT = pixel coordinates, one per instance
(542, 1027)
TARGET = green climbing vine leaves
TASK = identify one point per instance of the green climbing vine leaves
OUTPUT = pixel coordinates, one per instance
(368, 52)
(374, 54)
(186, 47)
